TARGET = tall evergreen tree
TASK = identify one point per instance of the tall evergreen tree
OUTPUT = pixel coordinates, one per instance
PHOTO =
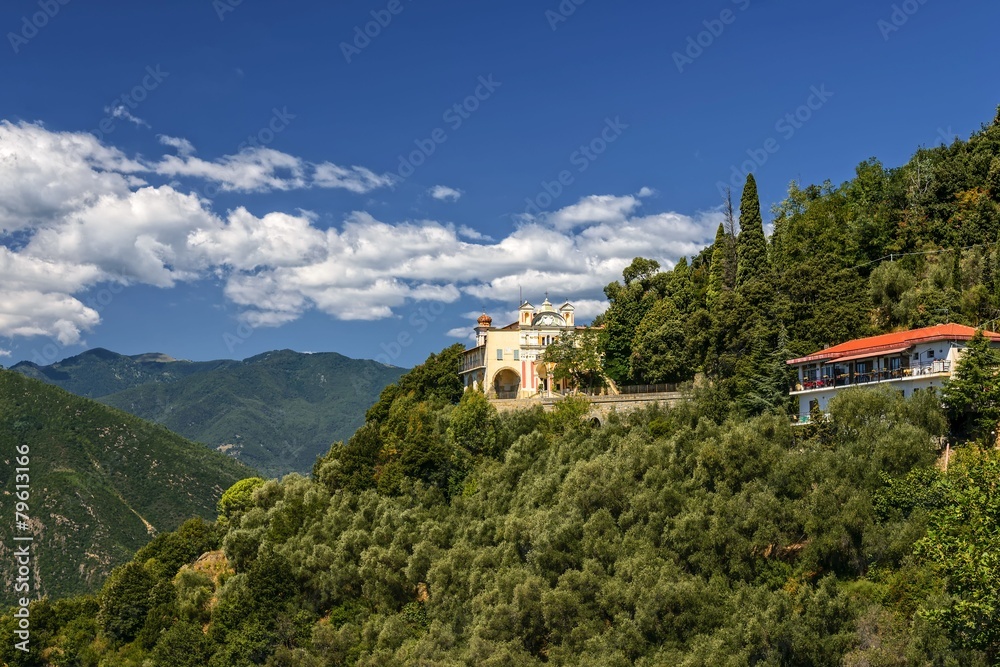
(972, 396)
(751, 246)
(717, 272)
(996, 271)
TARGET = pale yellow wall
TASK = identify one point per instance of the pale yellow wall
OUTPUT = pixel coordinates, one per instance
(508, 341)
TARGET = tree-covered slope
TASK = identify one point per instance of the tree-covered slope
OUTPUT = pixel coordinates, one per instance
(100, 482)
(276, 412)
(893, 248)
(666, 538)
(100, 372)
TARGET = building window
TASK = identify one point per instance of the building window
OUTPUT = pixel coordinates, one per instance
(517, 355)
(499, 354)
(930, 354)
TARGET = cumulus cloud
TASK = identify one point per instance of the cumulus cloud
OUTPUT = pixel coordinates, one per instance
(83, 214)
(444, 193)
(593, 209)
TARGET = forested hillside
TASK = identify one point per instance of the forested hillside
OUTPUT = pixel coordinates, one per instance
(100, 372)
(892, 248)
(276, 411)
(101, 482)
(666, 538)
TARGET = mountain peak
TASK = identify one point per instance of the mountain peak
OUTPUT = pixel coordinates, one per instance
(152, 357)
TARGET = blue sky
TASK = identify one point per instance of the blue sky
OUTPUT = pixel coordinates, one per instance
(275, 178)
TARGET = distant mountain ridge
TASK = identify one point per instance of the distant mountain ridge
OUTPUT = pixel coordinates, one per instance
(276, 411)
(101, 483)
(99, 372)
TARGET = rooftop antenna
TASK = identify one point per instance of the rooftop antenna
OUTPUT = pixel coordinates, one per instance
(520, 296)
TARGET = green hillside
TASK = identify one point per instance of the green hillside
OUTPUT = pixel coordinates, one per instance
(446, 534)
(100, 372)
(895, 247)
(101, 481)
(275, 412)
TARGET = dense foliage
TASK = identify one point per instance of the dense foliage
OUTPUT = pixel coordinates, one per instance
(100, 480)
(665, 537)
(890, 249)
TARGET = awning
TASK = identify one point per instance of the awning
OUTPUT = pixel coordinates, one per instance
(870, 354)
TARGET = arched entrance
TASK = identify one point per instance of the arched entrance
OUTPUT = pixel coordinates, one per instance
(506, 383)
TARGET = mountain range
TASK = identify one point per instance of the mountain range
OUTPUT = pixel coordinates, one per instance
(276, 411)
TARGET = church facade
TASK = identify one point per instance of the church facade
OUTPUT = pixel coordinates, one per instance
(507, 362)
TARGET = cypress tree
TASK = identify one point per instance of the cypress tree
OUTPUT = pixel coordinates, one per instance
(717, 272)
(972, 396)
(751, 246)
(996, 272)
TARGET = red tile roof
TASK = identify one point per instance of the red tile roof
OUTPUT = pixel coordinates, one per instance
(893, 342)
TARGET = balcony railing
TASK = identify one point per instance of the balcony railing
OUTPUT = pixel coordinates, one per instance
(869, 377)
(647, 388)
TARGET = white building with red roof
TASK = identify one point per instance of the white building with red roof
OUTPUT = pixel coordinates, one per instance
(909, 361)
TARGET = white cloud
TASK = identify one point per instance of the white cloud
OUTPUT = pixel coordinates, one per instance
(444, 193)
(463, 333)
(593, 209)
(122, 113)
(83, 216)
(45, 175)
(261, 169)
(183, 146)
(5, 353)
(646, 192)
(470, 233)
(355, 179)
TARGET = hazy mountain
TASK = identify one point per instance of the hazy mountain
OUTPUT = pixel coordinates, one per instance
(101, 482)
(100, 372)
(275, 412)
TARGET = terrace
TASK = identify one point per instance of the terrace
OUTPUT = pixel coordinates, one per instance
(830, 377)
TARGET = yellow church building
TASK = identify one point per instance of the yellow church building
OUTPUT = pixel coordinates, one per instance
(506, 362)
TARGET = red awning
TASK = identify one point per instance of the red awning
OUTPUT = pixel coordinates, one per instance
(870, 354)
